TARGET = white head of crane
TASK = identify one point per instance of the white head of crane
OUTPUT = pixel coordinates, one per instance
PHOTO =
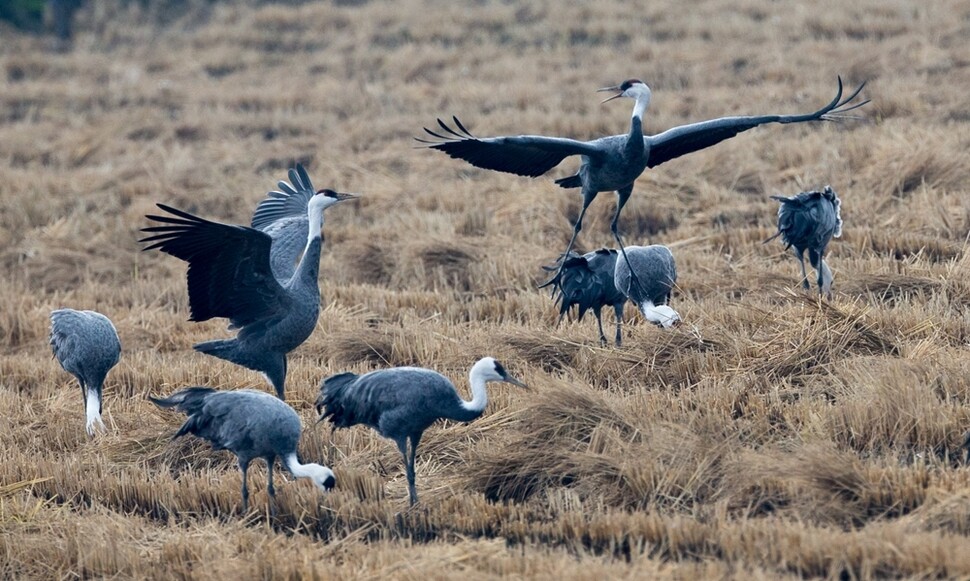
(661, 315)
(320, 201)
(633, 89)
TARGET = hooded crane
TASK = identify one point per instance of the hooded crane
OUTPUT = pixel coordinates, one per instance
(809, 221)
(250, 424)
(611, 163)
(401, 402)
(86, 345)
(230, 276)
(587, 282)
(654, 267)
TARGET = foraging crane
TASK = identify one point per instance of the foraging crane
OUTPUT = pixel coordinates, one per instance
(808, 221)
(401, 402)
(587, 282)
(86, 345)
(654, 267)
(230, 276)
(611, 163)
(250, 424)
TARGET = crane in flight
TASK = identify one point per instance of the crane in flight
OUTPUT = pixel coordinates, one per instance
(611, 163)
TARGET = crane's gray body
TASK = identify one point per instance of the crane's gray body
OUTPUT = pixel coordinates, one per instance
(397, 402)
(809, 221)
(250, 424)
(263, 345)
(655, 269)
(251, 276)
(586, 282)
(86, 345)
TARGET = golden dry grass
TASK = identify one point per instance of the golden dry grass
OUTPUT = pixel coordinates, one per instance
(771, 436)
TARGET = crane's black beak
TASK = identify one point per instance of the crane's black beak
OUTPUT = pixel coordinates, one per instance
(342, 197)
(509, 379)
(616, 88)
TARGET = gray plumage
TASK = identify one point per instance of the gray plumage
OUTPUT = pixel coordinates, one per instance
(230, 276)
(808, 221)
(250, 424)
(610, 163)
(402, 402)
(586, 282)
(86, 345)
(656, 271)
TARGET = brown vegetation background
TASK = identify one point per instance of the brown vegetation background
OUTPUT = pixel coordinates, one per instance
(770, 436)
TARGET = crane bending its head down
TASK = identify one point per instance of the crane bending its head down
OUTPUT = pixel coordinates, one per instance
(654, 266)
(86, 345)
(231, 275)
(250, 424)
(401, 402)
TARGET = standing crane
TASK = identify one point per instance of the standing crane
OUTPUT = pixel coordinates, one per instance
(587, 282)
(230, 276)
(250, 424)
(611, 163)
(808, 221)
(86, 345)
(654, 267)
(401, 402)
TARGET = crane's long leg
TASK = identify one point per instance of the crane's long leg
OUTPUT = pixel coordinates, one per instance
(270, 461)
(413, 491)
(587, 200)
(599, 322)
(402, 445)
(800, 255)
(618, 309)
(622, 195)
(244, 467)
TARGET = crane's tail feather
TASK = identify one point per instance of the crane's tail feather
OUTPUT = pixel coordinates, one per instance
(573, 181)
(769, 239)
(336, 400)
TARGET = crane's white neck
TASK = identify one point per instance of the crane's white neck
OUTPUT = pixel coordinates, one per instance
(92, 410)
(642, 102)
(479, 396)
(297, 469)
(315, 215)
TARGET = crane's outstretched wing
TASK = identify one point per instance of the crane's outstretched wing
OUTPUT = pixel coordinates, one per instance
(287, 202)
(524, 155)
(229, 273)
(685, 139)
(283, 215)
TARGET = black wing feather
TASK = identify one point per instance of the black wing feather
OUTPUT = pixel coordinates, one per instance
(229, 273)
(685, 139)
(524, 155)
